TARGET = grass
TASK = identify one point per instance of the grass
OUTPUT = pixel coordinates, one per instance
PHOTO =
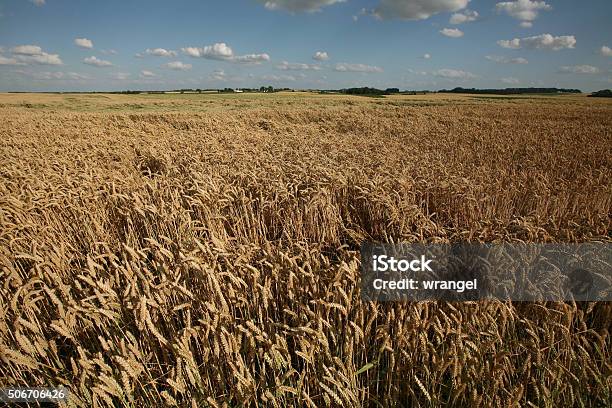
(202, 250)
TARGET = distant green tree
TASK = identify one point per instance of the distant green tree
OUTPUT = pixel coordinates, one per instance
(604, 93)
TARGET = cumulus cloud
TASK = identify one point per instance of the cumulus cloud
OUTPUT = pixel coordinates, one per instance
(146, 74)
(510, 81)
(453, 74)
(160, 52)
(426, 56)
(506, 60)
(416, 9)
(320, 56)
(525, 10)
(223, 52)
(31, 54)
(514, 44)
(466, 16)
(451, 32)
(605, 51)
(83, 43)
(215, 51)
(250, 59)
(108, 52)
(346, 67)
(27, 50)
(542, 41)
(526, 24)
(296, 6)
(178, 66)
(294, 66)
(579, 69)
(96, 62)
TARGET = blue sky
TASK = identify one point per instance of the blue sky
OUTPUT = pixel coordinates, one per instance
(59, 45)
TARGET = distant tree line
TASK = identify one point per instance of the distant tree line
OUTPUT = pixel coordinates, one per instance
(198, 90)
(369, 91)
(605, 93)
(510, 91)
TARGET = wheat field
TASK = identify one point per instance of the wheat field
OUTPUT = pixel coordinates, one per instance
(203, 250)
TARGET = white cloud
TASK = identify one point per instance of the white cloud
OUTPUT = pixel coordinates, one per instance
(178, 66)
(320, 56)
(298, 5)
(279, 78)
(251, 59)
(44, 59)
(120, 76)
(453, 74)
(510, 81)
(223, 52)
(416, 9)
(108, 52)
(218, 75)
(33, 54)
(426, 56)
(346, 67)
(451, 32)
(605, 51)
(220, 51)
(506, 60)
(160, 52)
(514, 44)
(542, 41)
(27, 50)
(97, 62)
(45, 76)
(9, 61)
(76, 76)
(83, 43)
(294, 66)
(146, 74)
(38, 2)
(525, 10)
(579, 69)
(412, 71)
(191, 51)
(526, 24)
(466, 16)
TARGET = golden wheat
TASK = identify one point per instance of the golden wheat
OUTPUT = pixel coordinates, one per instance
(208, 256)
